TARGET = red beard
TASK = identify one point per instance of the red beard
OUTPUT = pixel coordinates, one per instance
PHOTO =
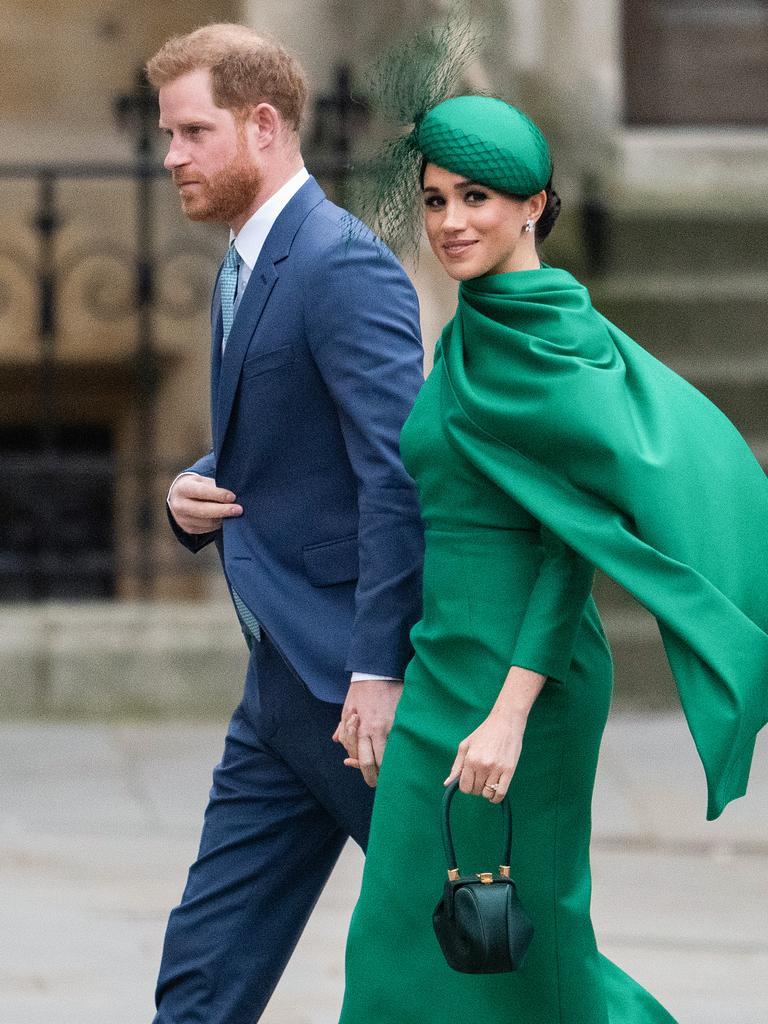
(223, 196)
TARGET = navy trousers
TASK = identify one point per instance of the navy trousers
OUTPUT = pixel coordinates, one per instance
(281, 808)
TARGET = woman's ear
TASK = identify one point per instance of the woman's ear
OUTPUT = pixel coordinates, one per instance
(536, 204)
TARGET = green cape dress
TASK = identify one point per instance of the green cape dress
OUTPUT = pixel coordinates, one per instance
(545, 442)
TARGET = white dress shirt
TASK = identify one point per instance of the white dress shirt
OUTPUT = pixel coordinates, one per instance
(249, 241)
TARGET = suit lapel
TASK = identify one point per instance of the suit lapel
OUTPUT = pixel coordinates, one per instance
(265, 274)
(255, 296)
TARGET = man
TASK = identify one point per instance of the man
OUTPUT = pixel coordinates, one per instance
(315, 362)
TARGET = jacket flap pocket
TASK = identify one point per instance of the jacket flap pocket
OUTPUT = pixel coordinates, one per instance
(335, 561)
(261, 362)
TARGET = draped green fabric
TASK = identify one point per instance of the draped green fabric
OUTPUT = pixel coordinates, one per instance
(638, 472)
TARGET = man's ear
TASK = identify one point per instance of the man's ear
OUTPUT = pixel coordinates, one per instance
(263, 124)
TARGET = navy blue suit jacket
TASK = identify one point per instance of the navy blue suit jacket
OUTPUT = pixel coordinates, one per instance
(320, 370)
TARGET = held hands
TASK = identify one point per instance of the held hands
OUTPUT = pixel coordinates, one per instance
(198, 505)
(486, 760)
(366, 721)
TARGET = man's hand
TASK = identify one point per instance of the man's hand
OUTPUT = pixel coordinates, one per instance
(198, 505)
(366, 721)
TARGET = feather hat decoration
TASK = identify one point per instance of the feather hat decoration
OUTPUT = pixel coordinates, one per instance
(403, 86)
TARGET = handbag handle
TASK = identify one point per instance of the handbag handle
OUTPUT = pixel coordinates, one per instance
(450, 852)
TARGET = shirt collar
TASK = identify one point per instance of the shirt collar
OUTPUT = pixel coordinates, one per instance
(251, 237)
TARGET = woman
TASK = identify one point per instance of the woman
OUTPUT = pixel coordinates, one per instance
(543, 443)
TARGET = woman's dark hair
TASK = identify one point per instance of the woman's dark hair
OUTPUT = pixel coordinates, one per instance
(549, 214)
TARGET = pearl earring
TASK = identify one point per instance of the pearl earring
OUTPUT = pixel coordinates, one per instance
(529, 226)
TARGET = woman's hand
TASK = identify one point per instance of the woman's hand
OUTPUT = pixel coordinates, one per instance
(360, 753)
(487, 758)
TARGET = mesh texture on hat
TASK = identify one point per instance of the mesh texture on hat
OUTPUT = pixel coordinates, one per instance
(489, 141)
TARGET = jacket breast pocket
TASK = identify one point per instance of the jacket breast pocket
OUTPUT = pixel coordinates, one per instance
(263, 362)
(334, 561)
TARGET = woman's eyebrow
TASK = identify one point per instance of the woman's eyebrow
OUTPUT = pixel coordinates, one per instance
(458, 185)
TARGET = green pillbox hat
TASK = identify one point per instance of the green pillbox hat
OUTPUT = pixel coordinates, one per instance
(489, 142)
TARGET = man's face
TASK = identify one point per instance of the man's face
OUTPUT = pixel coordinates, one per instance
(209, 156)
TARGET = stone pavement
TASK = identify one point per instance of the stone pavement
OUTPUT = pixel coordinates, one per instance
(98, 823)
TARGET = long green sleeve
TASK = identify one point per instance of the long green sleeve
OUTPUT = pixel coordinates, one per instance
(635, 470)
(554, 611)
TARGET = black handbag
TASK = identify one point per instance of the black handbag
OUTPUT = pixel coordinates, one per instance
(480, 923)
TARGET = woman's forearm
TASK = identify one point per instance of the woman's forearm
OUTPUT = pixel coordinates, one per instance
(516, 697)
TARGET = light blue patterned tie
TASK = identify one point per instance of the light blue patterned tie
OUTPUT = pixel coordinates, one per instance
(228, 290)
(248, 620)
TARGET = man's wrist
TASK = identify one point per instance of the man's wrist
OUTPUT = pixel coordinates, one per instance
(186, 472)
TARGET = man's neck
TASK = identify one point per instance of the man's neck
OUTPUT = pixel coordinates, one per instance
(272, 182)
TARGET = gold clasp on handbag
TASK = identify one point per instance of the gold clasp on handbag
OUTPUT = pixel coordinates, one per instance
(486, 877)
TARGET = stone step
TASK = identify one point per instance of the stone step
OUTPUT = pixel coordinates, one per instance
(711, 332)
(718, 322)
(95, 659)
(610, 597)
(643, 680)
(685, 241)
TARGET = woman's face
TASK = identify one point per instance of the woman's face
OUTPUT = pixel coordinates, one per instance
(474, 230)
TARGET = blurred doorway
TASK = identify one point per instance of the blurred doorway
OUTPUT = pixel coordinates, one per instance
(58, 537)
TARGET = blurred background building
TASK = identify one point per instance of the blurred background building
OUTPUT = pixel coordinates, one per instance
(656, 112)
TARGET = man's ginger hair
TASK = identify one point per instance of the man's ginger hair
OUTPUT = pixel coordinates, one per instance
(246, 68)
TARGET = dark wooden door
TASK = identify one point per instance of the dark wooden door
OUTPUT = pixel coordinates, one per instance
(692, 62)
